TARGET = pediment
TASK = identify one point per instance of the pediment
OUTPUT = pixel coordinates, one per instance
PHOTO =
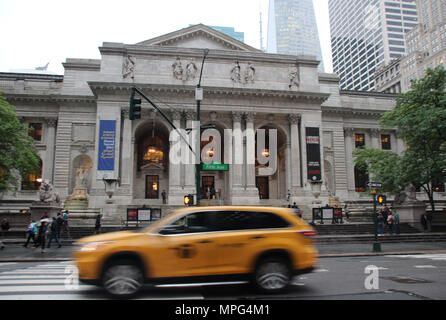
(199, 36)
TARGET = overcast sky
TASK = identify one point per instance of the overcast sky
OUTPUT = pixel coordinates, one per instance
(36, 32)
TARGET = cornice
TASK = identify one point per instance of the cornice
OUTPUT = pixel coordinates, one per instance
(49, 98)
(113, 88)
(375, 114)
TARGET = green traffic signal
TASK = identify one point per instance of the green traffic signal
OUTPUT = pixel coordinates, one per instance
(135, 107)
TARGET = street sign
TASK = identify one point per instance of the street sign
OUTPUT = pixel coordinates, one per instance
(375, 185)
(215, 167)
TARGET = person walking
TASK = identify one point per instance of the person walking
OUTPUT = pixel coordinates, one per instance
(164, 196)
(390, 222)
(347, 211)
(41, 236)
(396, 216)
(31, 231)
(426, 221)
(55, 230)
(380, 220)
(65, 227)
(5, 226)
(97, 226)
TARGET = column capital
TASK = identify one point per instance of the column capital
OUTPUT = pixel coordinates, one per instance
(237, 116)
(294, 118)
(349, 132)
(51, 122)
(374, 132)
(190, 115)
(176, 115)
(250, 116)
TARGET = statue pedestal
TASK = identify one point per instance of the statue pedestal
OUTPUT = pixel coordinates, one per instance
(411, 212)
(78, 200)
(39, 209)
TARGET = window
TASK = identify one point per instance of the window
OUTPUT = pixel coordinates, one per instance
(385, 142)
(35, 131)
(359, 140)
(247, 220)
(32, 181)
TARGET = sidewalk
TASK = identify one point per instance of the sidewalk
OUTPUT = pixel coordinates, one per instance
(15, 252)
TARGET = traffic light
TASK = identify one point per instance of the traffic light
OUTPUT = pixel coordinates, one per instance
(188, 200)
(135, 107)
(382, 199)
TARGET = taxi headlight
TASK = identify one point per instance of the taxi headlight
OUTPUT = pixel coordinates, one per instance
(93, 246)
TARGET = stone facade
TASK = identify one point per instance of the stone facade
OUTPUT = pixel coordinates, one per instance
(244, 89)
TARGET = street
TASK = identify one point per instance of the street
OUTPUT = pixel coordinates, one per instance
(388, 277)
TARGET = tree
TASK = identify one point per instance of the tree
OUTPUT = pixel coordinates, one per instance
(420, 118)
(17, 153)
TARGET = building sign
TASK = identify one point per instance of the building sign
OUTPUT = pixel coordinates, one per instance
(144, 215)
(107, 145)
(313, 154)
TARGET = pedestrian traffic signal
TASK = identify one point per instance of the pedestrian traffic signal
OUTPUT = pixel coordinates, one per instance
(188, 200)
(135, 107)
(382, 199)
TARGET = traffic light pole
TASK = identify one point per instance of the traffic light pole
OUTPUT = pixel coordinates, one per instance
(376, 243)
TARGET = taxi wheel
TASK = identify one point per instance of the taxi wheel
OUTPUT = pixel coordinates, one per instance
(123, 279)
(272, 275)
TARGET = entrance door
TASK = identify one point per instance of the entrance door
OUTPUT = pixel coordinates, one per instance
(262, 184)
(207, 185)
(152, 187)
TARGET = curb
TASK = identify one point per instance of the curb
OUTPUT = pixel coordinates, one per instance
(322, 256)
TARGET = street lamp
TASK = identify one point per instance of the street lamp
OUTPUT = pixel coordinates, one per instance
(198, 98)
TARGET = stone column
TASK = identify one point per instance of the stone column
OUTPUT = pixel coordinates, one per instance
(288, 166)
(295, 181)
(127, 152)
(250, 166)
(400, 144)
(348, 137)
(189, 166)
(176, 196)
(374, 134)
(48, 173)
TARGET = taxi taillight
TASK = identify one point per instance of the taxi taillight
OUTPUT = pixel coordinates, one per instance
(308, 233)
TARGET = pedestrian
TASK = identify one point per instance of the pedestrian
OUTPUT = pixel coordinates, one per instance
(288, 196)
(164, 196)
(65, 226)
(41, 235)
(385, 213)
(5, 226)
(31, 231)
(426, 221)
(347, 211)
(97, 226)
(55, 230)
(390, 222)
(380, 220)
(396, 215)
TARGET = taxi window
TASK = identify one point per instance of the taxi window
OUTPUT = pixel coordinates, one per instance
(191, 223)
(247, 220)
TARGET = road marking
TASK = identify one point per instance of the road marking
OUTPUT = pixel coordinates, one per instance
(434, 257)
(425, 267)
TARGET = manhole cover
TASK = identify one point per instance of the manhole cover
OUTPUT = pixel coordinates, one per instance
(408, 280)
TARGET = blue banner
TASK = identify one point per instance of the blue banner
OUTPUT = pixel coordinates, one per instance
(107, 145)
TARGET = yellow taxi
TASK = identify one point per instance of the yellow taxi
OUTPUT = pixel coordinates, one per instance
(199, 246)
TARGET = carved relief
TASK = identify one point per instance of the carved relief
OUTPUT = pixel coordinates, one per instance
(180, 74)
(248, 73)
(128, 67)
(294, 78)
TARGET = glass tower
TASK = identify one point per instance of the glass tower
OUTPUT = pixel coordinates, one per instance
(292, 29)
(366, 34)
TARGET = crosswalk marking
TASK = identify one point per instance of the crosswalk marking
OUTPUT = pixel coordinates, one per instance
(433, 257)
(52, 282)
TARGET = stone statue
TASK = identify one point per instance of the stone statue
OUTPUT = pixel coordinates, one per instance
(128, 67)
(411, 192)
(294, 78)
(236, 73)
(191, 71)
(47, 193)
(250, 73)
(177, 69)
(81, 178)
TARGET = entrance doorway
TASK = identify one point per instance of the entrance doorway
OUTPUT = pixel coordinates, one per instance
(262, 184)
(152, 187)
(207, 185)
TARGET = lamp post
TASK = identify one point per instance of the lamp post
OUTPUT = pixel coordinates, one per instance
(198, 98)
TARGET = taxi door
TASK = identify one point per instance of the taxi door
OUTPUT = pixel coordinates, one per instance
(185, 248)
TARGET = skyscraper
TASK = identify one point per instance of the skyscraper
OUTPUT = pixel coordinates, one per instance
(292, 29)
(366, 34)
